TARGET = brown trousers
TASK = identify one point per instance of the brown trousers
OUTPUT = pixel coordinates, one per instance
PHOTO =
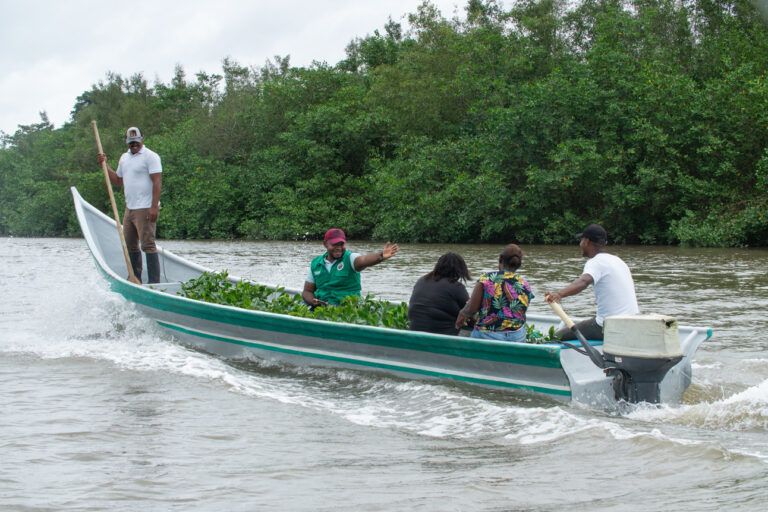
(137, 228)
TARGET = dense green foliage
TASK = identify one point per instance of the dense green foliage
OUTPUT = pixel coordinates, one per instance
(217, 288)
(507, 123)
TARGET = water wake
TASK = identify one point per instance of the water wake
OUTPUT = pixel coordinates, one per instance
(743, 411)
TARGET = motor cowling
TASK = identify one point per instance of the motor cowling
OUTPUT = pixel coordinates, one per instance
(639, 351)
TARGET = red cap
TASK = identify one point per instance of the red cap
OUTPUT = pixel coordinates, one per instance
(334, 236)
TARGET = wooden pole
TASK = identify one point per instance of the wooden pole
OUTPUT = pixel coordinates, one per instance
(131, 276)
(589, 350)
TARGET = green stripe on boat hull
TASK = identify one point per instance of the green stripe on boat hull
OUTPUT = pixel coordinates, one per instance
(206, 342)
(547, 356)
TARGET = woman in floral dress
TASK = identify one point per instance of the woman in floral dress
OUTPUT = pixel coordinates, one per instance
(502, 298)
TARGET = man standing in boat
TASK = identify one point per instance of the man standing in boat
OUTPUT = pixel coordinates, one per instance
(614, 286)
(336, 274)
(140, 172)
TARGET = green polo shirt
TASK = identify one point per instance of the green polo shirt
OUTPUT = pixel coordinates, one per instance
(341, 281)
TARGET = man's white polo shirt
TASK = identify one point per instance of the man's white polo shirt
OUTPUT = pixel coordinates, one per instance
(135, 170)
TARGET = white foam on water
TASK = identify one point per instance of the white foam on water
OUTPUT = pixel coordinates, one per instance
(702, 366)
(756, 363)
(429, 409)
(746, 410)
(543, 427)
(440, 411)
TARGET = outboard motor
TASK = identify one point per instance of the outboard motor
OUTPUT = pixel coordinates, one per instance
(639, 351)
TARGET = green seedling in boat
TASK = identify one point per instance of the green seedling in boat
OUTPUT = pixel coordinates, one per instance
(216, 287)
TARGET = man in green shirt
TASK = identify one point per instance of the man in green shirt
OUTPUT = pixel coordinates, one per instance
(336, 274)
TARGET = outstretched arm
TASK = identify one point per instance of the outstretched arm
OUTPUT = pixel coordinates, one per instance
(374, 258)
(578, 286)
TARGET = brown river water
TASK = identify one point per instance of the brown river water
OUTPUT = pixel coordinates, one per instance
(99, 410)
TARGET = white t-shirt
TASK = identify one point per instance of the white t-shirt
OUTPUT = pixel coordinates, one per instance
(614, 287)
(328, 264)
(135, 171)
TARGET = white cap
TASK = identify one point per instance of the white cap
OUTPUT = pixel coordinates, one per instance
(133, 134)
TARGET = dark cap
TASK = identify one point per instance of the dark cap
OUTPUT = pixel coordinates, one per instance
(594, 233)
(334, 236)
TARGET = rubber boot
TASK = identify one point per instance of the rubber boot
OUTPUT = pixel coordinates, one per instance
(153, 267)
(136, 264)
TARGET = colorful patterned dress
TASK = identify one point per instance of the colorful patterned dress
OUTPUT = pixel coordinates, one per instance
(506, 296)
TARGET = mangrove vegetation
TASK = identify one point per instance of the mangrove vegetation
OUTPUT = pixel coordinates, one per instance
(506, 121)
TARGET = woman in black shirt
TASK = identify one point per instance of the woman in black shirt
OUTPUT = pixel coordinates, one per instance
(438, 296)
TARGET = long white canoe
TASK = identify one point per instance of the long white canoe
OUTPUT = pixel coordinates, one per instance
(550, 369)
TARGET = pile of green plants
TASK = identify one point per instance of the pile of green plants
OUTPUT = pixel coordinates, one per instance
(216, 287)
